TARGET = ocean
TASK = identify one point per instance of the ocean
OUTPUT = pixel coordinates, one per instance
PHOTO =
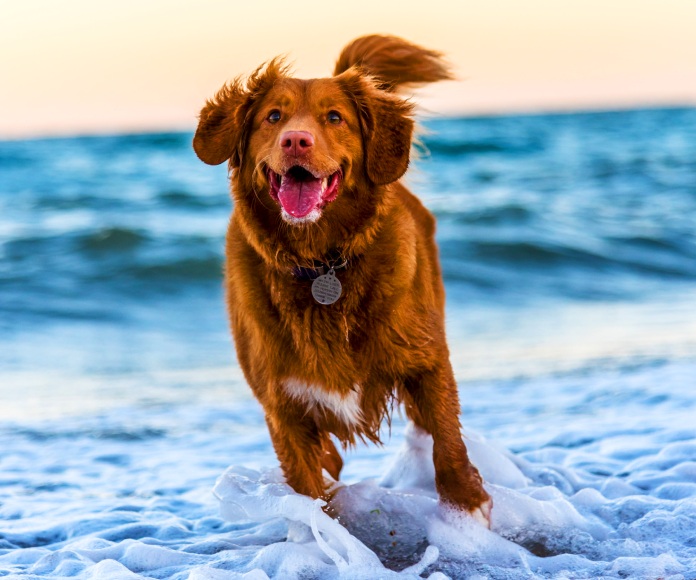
(568, 247)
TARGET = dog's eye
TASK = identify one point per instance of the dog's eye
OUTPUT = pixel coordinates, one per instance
(273, 116)
(334, 117)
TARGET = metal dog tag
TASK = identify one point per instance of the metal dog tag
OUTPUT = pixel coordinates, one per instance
(326, 289)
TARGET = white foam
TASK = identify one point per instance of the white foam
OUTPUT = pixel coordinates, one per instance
(526, 515)
(591, 491)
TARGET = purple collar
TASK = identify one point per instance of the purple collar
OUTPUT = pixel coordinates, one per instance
(305, 274)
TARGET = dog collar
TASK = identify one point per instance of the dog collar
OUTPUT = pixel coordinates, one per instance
(334, 260)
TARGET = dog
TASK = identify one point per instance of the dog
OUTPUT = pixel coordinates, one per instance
(332, 278)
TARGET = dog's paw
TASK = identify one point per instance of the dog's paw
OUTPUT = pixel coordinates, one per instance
(482, 514)
(462, 516)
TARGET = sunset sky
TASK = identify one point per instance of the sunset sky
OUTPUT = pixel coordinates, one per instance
(78, 66)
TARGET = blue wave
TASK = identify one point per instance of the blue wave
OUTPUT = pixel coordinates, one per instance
(581, 206)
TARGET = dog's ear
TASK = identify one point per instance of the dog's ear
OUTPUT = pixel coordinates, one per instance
(388, 144)
(386, 123)
(220, 126)
(224, 121)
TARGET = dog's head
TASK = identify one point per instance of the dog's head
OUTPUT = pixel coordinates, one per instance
(306, 147)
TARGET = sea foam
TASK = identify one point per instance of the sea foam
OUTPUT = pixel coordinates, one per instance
(537, 530)
(593, 500)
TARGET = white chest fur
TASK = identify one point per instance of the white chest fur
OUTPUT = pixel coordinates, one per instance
(346, 408)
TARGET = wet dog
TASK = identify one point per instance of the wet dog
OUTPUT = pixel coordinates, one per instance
(333, 283)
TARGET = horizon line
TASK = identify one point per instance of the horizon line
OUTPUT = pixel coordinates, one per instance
(422, 115)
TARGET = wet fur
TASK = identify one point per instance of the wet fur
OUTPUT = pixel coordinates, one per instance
(384, 339)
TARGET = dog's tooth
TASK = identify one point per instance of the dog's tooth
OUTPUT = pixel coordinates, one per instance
(324, 183)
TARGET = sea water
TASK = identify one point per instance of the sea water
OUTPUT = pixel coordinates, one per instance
(130, 446)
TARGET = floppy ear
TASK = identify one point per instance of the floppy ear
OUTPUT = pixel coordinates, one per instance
(388, 144)
(223, 122)
(220, 126)
(386, 123)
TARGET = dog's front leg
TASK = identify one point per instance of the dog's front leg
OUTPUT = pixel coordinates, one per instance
(298, 444)
(432, 403)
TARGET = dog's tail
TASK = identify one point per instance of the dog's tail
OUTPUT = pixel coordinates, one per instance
(393, 61)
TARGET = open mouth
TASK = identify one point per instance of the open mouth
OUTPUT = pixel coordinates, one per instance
(300, 193)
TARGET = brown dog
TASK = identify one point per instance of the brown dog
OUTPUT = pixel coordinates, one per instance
(315, 169)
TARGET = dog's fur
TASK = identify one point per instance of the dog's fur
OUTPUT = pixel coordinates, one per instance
(337, 369)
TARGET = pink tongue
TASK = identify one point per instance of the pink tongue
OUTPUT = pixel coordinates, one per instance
(298, 198)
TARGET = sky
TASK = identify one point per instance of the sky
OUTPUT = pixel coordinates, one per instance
(78, 66)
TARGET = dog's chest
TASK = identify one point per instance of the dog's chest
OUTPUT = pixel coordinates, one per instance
(319, 401)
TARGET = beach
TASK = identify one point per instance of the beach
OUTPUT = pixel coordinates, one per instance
(131, 447)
